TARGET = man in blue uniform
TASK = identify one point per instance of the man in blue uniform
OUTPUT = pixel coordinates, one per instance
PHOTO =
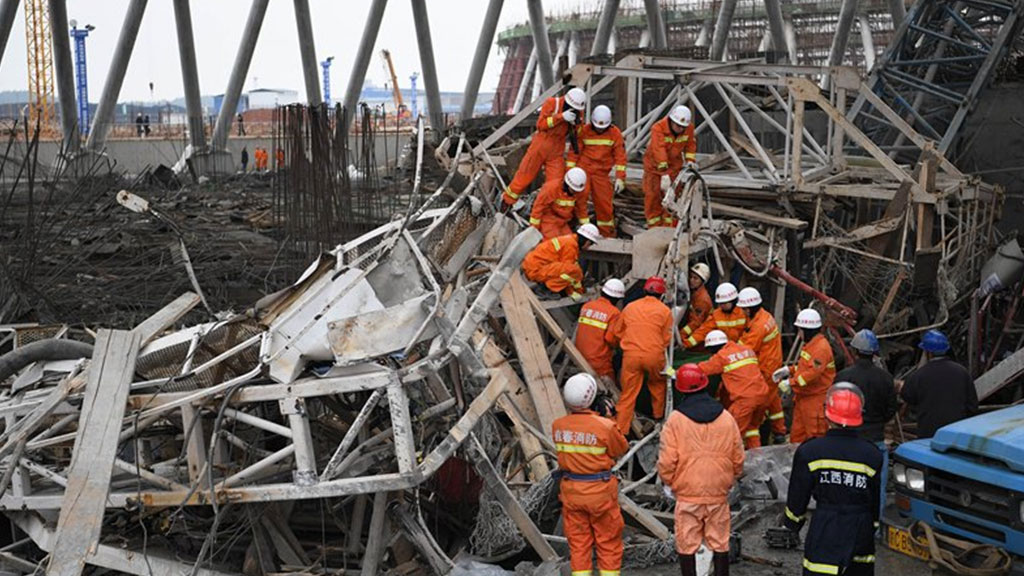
(842, 472)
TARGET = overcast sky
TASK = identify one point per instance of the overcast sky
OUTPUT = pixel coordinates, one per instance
(218, 24)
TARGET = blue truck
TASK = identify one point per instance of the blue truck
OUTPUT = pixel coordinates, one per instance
(968, 481)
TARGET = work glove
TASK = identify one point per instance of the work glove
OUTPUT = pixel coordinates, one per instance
(666, 183)
(669, 371)
(620, 185)
(785, 388)
(669, 493)
(576, 296)
(569, 116)
(780, 374)
(604, 405)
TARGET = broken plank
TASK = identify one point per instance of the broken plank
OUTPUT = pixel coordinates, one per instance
(553, 328)
(81, 514)
(858, 234)
(166, 317)
(377, 539)
(644, 518)
(1000, 375)
(755, 216)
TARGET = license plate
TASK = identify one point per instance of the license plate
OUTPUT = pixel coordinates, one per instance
(899, 540)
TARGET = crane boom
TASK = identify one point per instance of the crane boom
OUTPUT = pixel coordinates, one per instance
(40, 64)
(396, 91)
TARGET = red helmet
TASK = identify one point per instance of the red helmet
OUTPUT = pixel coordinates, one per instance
(844, 404)
(655, 284)
(690, 378)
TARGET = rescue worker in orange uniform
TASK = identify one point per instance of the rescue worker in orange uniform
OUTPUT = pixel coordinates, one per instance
(700, 301)
(810, 380)
(672, 142)
(701, 456)
(763, 337)
(726, 317)
(547, 148)
(601, 149)
(555, 263)
(592, 328)
(558, 202)
(588, 446)
(643, 331)
(741, 378)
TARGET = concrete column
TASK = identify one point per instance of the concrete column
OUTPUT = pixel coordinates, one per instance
(898, 10)
(115, 75)
(540, 40)
(776, 27)
(847, 13)
(525, 82)
(867, 41)
(64, 70)
(656, 24)
(483, 51)
(704, 37)
(8, 10)
(791, 41)
(605, 26)
(239, 71)
(189, 74)
(363, 55)
(307, 48)
(613, 42)
(574, 48)
(721, 36)
(426, 47)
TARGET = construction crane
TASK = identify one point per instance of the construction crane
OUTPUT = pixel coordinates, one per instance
(396, 91)
(40, 65)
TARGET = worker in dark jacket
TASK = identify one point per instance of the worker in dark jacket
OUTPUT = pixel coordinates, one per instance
(841, 471)
(941, 391)
(874, 382)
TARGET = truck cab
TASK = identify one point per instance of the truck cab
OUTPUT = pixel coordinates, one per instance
(968, 480)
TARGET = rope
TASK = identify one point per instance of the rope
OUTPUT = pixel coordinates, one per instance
(994, 561)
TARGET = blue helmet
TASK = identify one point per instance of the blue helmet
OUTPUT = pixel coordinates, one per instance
(935, 342)
(865, 342)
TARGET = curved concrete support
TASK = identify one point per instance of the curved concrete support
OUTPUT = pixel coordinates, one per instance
(605, 28)
(363, 54)
(483, 50)
(540, 41)
(238, 73)
(8, 10)
(426, 47)
(656, 24)
(847, 13)
(115, 75)
(189, 74)
(722, 26)
(64, 71)
(307, 48)
(776, 27)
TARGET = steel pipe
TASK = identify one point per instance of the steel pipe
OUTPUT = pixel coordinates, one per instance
(483, 50)
(238, 73)
(115, 76)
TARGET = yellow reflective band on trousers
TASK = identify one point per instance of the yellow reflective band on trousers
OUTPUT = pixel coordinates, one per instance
(570, 164)
(584, 221)
(654, 220)
(582, 573)
(598, 142)
(777, 416)
(687, 330)
(691, 156)
(608, 572)
(606, 222)
(580, 449)
(620, 167)
(511, 194)
(534, 221)
(556, 244)
(561, 202)
(570, 280)
(820, 568)
(793, 517)
(740, 364)
(594, 323)
(691, 341)
(771, 335)
(844, 465)
(751, 433)
(867, 559)
(551, 122)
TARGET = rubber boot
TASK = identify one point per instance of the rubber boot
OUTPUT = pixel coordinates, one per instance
(720, 560)
(688, 565)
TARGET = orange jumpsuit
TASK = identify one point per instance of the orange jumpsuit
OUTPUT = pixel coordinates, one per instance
(595, 317)
(762, 335)
(664, 156)
(643, 330)
(588, 446)
(810, 382)
(556, 264)
(700, 307)
(732, 323)
(699, 463)
(547, 149)
(600, 152)
(747, 390)
(555, 206)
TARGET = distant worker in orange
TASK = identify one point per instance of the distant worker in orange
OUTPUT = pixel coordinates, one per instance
(701, 456)
(601, 149)
(596, 317)
(746, 388)
(726, 317)
(763, 337)
(643, 331)
(279, 157)
(810, 380)
(555, 263)
(558, 202)
(700, 301)
(672, 143)
(557, 116)
(588, 446)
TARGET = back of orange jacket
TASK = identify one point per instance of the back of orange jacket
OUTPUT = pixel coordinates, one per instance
(700, 462)
(588, 443)
(595, 319)
(665, 152)
(732, 323)
(644, 327)
(561, 249)
(738, 366)
(600, 152)
(763, 337)
(554, 202)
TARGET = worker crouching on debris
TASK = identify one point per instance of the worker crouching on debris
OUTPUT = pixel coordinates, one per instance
(810, 380)
(700, 301)
(601, 149)
(763, 337)
(558, 202)
(742, 381)
(596, 317)
(672, 141)
(547, 148)
(841, 471)
(701, 456)
(555, 263)
(643, 331)
(588, 445)
(726, 317)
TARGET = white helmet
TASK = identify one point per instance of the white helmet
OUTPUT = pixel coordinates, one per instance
(725, 292)
(702, 271)
(576, 98)
(576, 179)
(680, 115)
(808, 318)
(590, 232)
(579, 391)
(716, 338)
(615, 288)
(749, 297)
(601, 117)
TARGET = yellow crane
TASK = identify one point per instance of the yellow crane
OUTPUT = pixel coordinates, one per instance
(40, 65)
(396, 92)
